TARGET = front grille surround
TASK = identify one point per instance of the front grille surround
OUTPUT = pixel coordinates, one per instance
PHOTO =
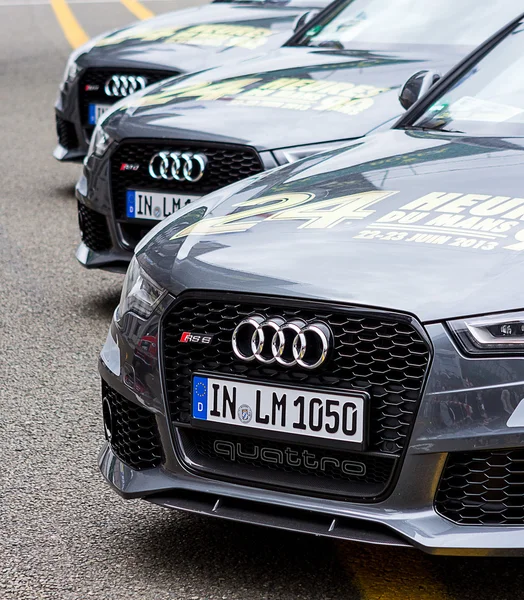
(227, 163)
(98, 77)
(483, 488)
(391, 415)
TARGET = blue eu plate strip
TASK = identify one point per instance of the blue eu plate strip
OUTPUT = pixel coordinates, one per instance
(130, 205)
(200, 398)
(91, 116)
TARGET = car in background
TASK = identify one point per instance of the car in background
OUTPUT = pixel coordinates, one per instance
(338, 79)
(114, 65)
(341, 341)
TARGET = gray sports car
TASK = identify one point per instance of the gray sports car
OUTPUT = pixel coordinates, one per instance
(337, 80)
(336, 347)
(118, 63)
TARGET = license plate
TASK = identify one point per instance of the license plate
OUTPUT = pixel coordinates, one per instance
(155, 206)
(279, 409)
(95, 111)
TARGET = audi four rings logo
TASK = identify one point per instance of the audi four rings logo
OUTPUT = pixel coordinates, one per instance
(288, 343)
(119, 86)
(181, 166)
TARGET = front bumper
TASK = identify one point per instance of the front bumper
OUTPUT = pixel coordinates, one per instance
(114, 262)
(384, 524)
(407, 517)
(104, 245)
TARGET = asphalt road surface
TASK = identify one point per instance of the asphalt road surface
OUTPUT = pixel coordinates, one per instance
(63, 533)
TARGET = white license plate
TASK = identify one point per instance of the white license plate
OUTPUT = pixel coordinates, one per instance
(286, 410)
(155, 206)
(95, 111)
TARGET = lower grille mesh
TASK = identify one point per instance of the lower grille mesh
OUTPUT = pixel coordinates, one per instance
(65, 130)
(93, 229)
(483, 488)
(134, 433)
(288, 465)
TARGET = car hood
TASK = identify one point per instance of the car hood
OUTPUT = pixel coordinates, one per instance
(293, 96)
(424, 223)
(197, 38)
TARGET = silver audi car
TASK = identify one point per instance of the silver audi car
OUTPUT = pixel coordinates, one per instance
(337, 346)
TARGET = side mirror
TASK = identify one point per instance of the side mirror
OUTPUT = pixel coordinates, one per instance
(304, 19)
(416, 86)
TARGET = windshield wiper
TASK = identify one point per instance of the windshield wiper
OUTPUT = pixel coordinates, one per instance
(328, 44)
(441, 128)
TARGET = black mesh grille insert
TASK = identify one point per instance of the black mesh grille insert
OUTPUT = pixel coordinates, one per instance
(92, 83)
(329, 471)
(483, 488)
(65, 130)
(134, 433)
(93, 229)
(382, 354)
(225, 165)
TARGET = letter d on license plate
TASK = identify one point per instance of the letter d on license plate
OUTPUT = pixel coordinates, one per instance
(279, 409)
(95, 111)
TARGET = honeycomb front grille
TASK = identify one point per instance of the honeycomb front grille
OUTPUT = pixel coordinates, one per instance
(483, 488)
(377, 353)
(93, 229)
(225, 164)
(382, 354)
(134, 433)
(92, 84)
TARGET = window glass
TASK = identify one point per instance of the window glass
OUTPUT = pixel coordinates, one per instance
(391, 22)
(489, 98)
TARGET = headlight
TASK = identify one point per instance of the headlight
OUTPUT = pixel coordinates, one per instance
(100, 141)
(291, 155)
(140, 294)
(71, 70)
(497, 334)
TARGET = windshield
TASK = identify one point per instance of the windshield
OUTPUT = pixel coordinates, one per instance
(489, 99)
(384, 23)
(251, 1)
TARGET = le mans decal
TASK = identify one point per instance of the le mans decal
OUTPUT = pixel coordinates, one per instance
(292, 93)
(290, 207)
(240, 36)
(474, 221)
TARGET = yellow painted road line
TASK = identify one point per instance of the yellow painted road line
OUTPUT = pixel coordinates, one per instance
(73, 32)
(138, 9)
(386, 573)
